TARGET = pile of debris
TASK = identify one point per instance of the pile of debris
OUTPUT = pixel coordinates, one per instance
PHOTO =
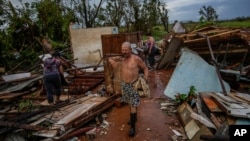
(24, 105)
(209, 114)
(229, 47)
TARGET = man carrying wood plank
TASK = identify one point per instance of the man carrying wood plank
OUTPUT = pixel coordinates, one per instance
(131, 65)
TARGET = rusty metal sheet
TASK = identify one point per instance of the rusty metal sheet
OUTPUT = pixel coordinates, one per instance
(210, 103)
(81, 84)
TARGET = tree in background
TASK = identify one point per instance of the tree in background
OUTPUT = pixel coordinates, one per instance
(152, 13)
(19, 43)
(26, 25)
(87, 12)
(50, 19)
(113, 12)
(132, 15)
(164, 15)
(208, 14)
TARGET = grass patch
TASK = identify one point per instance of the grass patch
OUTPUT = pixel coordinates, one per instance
(235, 24)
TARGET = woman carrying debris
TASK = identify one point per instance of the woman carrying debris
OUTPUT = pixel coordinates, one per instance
(52, 71)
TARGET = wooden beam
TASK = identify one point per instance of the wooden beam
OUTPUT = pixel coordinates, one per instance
(19, 125)
(213, 36)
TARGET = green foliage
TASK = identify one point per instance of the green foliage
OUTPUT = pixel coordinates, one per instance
(27, 25)
(25, 105)
(50, 19)
(158, 34)
(29, 134)
(208, 13)
(30, 22)
(157, 28)
(180, 98)
(235, 23)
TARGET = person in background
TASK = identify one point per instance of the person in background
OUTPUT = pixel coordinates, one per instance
(142, 48)
(52, 73)
(151, 50)
(130, 66)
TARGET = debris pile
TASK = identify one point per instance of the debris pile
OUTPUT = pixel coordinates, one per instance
(210, 59)
(230, 47)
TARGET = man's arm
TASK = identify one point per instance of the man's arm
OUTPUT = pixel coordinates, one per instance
(151, 40)
(114, 61)
(143, 66)
(60, 69)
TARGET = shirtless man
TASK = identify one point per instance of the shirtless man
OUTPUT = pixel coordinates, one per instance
(131, 65)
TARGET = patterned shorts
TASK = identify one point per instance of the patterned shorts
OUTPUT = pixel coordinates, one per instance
(129, 94)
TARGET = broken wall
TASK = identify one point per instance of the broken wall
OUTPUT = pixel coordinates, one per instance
(86, 43)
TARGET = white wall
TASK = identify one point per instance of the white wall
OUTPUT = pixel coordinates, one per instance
(86, 43)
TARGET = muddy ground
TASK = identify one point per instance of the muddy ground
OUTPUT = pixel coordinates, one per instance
(154, 124)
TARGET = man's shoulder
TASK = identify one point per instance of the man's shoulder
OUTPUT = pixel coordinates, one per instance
(137, 58)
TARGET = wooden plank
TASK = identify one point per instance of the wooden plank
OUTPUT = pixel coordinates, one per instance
(210, 103)
(172, 50)
(108, 73)
(209, 32)
(77, 113)
(226, 98)
(81, 112)
(13, 95)
(46, 133)
(20, 125)
(117, 79)
(184, 111)
(97, 100)
(64, 111)
(191, 129)
(233, 109)
(80, 109)
(203, 29)
(233, 95)
(243, 96)
(213, 36)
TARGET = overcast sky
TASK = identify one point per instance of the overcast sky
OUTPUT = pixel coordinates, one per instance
(187, 10)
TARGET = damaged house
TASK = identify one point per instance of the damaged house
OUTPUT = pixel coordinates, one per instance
(212, 60)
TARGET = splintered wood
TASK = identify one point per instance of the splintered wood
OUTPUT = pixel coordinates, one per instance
(229, 45)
